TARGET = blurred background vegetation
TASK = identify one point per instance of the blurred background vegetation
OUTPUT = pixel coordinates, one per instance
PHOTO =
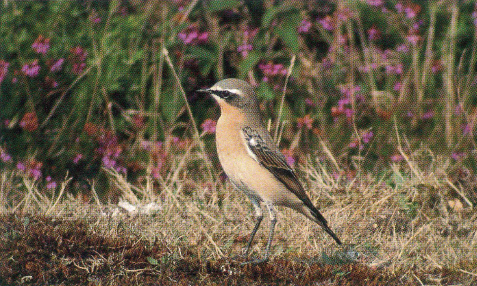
(93, 88)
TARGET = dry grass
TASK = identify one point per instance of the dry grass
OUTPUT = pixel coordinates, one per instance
(413, 227)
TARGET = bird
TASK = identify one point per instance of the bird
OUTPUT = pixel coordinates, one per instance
(252, 161)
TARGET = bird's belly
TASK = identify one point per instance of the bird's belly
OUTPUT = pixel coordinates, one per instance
(251, 177)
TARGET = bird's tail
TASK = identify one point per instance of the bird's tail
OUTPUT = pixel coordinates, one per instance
(317, 217)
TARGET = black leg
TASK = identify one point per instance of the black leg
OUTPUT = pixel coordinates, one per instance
(252, 235)
(273, 221)
(259, 217)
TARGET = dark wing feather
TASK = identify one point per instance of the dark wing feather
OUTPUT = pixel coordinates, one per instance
(275, 162)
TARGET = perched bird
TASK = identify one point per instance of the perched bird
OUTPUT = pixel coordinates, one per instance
(252, 160)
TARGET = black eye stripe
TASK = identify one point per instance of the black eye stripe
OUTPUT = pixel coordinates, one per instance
(225, 94)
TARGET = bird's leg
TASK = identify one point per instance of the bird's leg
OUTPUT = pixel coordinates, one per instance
(273, 221)
(258, 217)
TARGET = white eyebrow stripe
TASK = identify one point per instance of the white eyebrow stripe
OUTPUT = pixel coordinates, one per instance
(232, 90)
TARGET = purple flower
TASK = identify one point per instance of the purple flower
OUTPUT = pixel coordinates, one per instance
(270, 69)
(21, 166)
(244, 49)
(348, 112)
(32, 69)
(3, 69)
(326, 23)
(289, 157)
(410, 13)
(466, 129)
(309, 102)
(57, 65)
(77, 158)
(428, 115)
(396, 158)
(458, 109)
(79, 53)
(51, 185)
(306, 121)
(413, 39)
(373, 33)
(192, 36)
(304, 27)
(209, 126)
(458, 155)
(397, 86)
(108, 162)
(399, 7)
(78, 68)
(376, 3)
(5, 157)
(368, 136)
(402, 48)
(41, 45)
(35, 173)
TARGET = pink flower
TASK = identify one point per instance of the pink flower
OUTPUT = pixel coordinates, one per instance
(396, 158)
(374, 33)
(32, 69)
(413, 39)
(41, 45)
(399, 7)
(79, 53)
(368, 136)
(376, 3)
(209, 126)
(305, 121)
(77, 158)
(402, 48)
(309, 102)
(458, 155)
(467, 129)
(21, 166)
(458, 109)
(397, 86)
(108, 162)
(5, 157)
(78, 68)
(428, 115)
(35, 173)
(349, 112)
(304, 27)
(244, 49)
(410, 13)
(57, 65)
(289, 157)
(3, 69)
(192, 36)
(326, 23)
(50, 184)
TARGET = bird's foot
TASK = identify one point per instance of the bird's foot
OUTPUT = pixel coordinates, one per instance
(255, 261)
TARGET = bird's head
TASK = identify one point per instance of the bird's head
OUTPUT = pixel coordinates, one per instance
(233, 92)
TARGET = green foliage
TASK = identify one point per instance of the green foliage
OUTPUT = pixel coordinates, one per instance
(364, 75)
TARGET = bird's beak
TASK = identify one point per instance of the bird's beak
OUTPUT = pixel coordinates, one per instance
(204, 91)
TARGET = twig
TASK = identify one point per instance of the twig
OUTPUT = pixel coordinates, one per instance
(189, 110)
(460, 193)
(290, 69)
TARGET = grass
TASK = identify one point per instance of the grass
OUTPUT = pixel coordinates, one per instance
(410, 221)
(407, 227)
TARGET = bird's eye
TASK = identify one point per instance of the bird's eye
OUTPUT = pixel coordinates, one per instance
(225, 94)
